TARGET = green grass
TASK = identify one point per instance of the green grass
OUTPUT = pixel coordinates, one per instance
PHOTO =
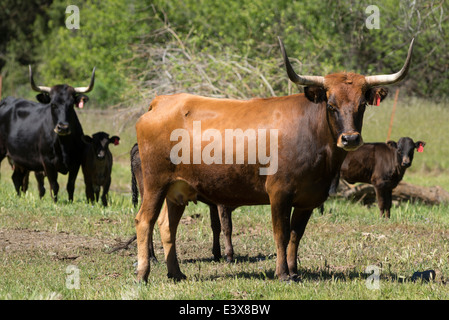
(334, 253)
(40, 239)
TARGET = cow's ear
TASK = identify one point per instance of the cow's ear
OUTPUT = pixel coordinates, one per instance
(115, 140)
(43, 98)
(315, 94)
(392, 144)
(375, 95)
(86, 139)
(419, 145)
(80, 100)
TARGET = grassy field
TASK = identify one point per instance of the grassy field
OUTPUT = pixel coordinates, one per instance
(45, 246)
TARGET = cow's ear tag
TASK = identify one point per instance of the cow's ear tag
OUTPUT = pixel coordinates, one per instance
(376, 100)
(81, 103)
(420, 148)
(377, 97)
(116, 142)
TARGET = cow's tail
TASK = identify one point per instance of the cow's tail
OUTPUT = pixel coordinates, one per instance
(134, 188)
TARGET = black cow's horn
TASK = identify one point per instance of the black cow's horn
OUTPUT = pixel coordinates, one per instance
(33, 85)
(90, 87)
(385, 79)
(299, 80)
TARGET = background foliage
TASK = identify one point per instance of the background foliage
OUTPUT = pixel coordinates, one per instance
(220, 48)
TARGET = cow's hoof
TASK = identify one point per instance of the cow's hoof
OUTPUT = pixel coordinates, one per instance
(177, 277)
(295, 278)
(142, 278)
(290, 278)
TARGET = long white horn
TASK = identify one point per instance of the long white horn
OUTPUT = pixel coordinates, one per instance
(33, 85)
(299, 79)
(90, 87)
(385, 79)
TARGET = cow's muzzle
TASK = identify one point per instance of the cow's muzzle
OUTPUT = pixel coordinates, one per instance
(406, 162)
(62, 129)
(101, 155)
(350, 141)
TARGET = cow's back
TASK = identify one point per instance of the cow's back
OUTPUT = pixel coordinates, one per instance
(299, 123)
(359, 165)
(371, 163)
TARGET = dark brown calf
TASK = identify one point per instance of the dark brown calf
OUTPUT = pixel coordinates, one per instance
(220, 216)
(381, 164)
(97, 165)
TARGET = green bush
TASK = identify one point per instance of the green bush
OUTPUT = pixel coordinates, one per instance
(120, 38)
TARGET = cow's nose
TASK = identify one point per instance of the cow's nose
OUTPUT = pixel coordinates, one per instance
(406, 162)
(100, 155)
(350, 141)
(62, 128)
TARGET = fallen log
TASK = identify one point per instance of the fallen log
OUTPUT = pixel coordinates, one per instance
(366, 194)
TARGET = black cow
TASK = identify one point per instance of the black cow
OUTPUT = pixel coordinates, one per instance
(44, 136)
(381, 164)
(97, 165)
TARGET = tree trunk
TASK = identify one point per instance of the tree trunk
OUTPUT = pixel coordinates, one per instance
(403, 192)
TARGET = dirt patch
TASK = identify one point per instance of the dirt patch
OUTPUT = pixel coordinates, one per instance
(25, 240)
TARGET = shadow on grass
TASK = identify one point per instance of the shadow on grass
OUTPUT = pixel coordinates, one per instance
(237, 259)
(305, 274)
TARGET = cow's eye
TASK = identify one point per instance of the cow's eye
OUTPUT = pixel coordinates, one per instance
(331, 107)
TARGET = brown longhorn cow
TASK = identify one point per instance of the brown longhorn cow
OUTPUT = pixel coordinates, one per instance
(309, 137)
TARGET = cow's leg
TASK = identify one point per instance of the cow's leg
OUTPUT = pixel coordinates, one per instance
(151, 252)
(25, 181)
(52, 176)
(104, 196)
(40, 183)
(97, 192)
(168, 227)
(226, 225)
(298, 225)
(384, 196)
(280, 214)
(73, 173)
(334, 184)
(17, 178)
(216, 229)
(146, 217)
(88, 184)
(89, 192)
(386, 201)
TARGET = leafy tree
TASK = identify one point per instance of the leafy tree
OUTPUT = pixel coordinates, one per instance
(227, 47)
